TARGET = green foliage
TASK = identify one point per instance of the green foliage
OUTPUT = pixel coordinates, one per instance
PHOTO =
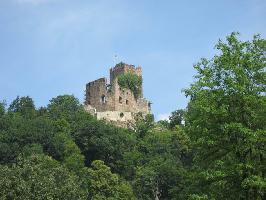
(104, 184)
(98, 140)
(226, 121)
(163, 124)
(2, 108)
(23, 106)
(63, 106)
(198, 197)
(142, 124)
(121, 64)
(176, 118)
(132, 82)
(66, 150)
(155, 165)
(58, 132)
(161, 167)
(17, 132)
(68, 136)
(39, 177)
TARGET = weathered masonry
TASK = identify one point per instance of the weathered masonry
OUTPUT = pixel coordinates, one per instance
(109, 101)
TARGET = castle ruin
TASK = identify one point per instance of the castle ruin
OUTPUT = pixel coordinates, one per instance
(108, 100)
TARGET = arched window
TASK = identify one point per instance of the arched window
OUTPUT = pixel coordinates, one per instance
(103, 99)
(120, 99)
(127, 102)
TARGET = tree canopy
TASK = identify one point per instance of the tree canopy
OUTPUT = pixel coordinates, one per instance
(226, 120)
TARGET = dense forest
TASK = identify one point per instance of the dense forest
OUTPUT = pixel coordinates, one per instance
(213, 149)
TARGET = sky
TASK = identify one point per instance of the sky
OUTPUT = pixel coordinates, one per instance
(54, 47)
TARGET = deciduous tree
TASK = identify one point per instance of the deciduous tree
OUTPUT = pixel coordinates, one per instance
(226, 121)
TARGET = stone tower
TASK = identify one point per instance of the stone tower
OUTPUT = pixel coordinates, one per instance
(107, 100)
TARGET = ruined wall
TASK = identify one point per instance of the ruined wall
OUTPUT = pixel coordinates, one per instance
(144, 106)
(115, 116)
(124, 99)
(99, 96)
(122, 68)
(109, 100)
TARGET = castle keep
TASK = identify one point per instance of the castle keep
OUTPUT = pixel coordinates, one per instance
(108, 100)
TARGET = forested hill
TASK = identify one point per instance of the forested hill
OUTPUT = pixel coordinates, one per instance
(213, 149)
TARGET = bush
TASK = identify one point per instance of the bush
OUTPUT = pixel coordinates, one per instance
(132, 82)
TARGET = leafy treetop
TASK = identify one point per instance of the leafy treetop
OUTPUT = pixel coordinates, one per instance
(226, 121)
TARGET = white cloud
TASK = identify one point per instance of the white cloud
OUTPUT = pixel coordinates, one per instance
(163, 116)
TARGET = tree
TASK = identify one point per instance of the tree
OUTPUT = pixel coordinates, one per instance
(63, 106)
(160, 171)
(226, 121)
(66, 151)
(39, 177)
(100, 141)
(176, 118)
(163, 124)
(103, 184)
(24, 106)
(142, 124)
(2, 108)
(17, 131)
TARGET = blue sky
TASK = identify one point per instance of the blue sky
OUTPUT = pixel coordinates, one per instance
(54, 47)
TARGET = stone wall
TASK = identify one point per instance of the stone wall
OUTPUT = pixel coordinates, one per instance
(115, 116)
(99, 96)
(122, 68)
(109, 100)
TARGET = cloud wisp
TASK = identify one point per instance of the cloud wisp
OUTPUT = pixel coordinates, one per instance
(163, 116)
